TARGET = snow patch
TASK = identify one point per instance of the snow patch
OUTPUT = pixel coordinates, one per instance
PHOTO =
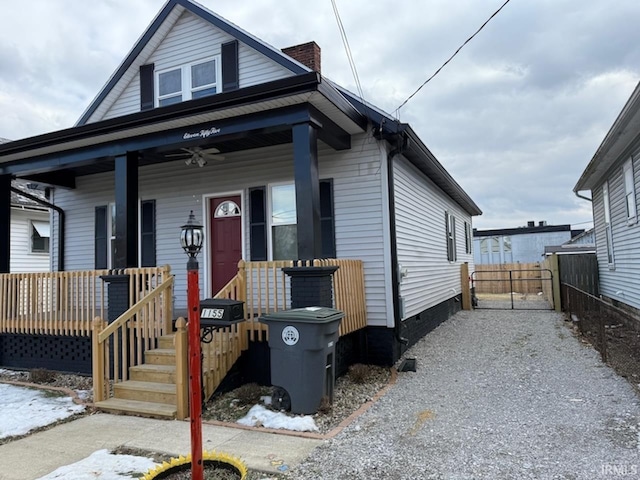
(260, 416)
(104, 465)
(24, 409)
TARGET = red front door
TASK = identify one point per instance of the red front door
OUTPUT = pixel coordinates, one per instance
(226, 240)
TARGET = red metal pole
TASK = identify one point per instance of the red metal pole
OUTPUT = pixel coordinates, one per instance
(195, 369)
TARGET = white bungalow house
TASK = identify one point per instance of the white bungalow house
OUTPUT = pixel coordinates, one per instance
(30, 230)
(611, 181)
(276, 161)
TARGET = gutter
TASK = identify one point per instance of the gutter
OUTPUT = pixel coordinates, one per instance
(577, 194)
(60, 222)
(401, 145)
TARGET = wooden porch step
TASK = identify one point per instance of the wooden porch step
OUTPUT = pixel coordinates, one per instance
(146, 392)
(160, 356)
(153, 373)
(134, 407)
(167, 342)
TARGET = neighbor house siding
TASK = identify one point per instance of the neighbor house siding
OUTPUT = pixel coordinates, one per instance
(192, 39)
(22, 259)
(620, 281)
(178, 188)
(420, 208)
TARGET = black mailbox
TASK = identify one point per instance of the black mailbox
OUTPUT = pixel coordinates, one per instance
(220, 312)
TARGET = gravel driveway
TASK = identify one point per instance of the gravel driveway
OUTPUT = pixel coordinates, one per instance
(497, 395)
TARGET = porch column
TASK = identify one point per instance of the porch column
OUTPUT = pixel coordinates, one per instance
(126, 179)
(5, 223)
(305, 159)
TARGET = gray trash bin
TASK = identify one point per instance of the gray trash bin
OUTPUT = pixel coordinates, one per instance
(302, 343)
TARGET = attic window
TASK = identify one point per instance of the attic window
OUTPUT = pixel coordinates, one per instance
(193, 80)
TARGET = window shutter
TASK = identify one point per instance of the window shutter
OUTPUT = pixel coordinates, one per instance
(101, 240)
(148, 233)
(327, 224)
(258, 223)
(230, 76)
(146, 87)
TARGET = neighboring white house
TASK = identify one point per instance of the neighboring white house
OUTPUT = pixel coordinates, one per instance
(30, 232)
(612, 178)
(275, 160)
(29, 229)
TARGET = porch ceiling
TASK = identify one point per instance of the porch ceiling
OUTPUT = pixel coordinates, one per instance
(251, 118)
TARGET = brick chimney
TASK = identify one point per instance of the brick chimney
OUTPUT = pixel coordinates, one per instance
(307, 53)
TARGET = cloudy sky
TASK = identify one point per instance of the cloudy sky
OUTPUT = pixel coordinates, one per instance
(515, 117)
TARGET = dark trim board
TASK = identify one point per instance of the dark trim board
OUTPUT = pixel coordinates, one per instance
(58, 353)
(383, 348)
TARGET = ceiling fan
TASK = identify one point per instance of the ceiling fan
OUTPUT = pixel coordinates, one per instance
(198, 156)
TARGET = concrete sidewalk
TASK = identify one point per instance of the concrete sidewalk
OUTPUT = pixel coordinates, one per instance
(41, 453)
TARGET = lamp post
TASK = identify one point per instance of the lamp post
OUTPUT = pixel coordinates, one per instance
(191, 239)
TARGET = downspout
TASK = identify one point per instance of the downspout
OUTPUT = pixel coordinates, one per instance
(60, 222)
(401, 144)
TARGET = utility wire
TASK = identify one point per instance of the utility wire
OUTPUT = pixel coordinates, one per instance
(347, 49)
(450, 58)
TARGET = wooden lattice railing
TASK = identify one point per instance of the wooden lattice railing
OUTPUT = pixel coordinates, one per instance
(64, 303)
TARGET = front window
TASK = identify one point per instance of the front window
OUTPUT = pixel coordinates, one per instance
(284, 233)
(194, 80)
(170, 87)
(40, 233)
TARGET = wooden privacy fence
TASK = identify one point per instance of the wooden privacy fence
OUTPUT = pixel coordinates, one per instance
(509, 277)
(63, 303)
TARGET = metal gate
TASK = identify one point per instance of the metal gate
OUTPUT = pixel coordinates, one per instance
(527, 289)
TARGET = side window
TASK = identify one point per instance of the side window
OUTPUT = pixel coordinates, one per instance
(629, 191)
(468, 241)
(40, 233)
(607, 224)
(450, 223)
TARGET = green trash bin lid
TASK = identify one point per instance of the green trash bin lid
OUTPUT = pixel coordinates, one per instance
(305, 315)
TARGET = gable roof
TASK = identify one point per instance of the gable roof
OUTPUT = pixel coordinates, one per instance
(160, 26)
(622, 137)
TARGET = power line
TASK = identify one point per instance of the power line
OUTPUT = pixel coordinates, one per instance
(397, 111)
(347, 49)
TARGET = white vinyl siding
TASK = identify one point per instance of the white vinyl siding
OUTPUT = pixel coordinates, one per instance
(178, 188)
(421, 238)
(22, 258)
(623, 282)
(193, 39)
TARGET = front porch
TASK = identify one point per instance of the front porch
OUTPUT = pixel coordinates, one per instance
(139, 359)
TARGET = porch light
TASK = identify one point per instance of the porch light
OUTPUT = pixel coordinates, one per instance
(191, 236)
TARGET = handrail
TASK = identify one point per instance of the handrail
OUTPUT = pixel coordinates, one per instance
(122, 319)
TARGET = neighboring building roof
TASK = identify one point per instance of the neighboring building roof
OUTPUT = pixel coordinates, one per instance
(582, 238)
(521, 230)
(568, 249)
(18, 200)
(622, 134)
